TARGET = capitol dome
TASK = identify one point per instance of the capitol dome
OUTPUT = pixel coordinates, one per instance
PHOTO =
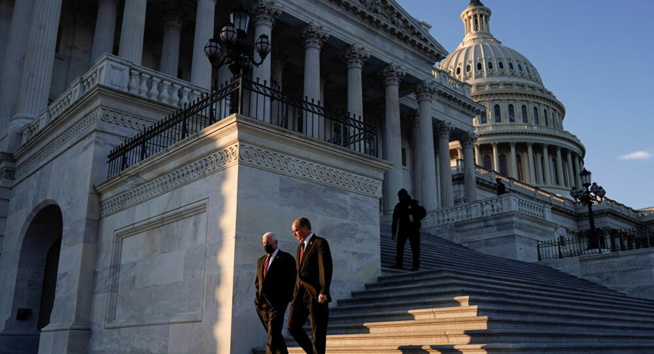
(520, 135)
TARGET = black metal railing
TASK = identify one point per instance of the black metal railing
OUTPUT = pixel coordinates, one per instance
(257, 101)
(608, 240)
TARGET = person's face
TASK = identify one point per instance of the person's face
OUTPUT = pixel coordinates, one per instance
(300, 233)
(268, 241)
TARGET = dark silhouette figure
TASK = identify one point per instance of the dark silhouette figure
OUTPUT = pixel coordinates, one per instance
(501, 188)
(406, 225)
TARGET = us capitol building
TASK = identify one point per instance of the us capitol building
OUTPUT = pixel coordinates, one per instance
(137, 176)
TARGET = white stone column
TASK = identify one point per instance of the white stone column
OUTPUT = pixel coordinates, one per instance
(37, 68)
(15, 52)
(393, 180)
(264, 15)
(355, 56)
(539, 168)
(514, 162)
(578, 165)
(105, 29)
(204, 22)
(447, 191)
(530, 157)
(478, 159)
(425, 164)
(467, 142)
(170, 47)
(133, 31)
(314, 37)
(559, 166)
(547, 174)
(496, 159)
(570, 180)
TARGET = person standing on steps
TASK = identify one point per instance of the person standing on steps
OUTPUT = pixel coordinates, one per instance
(406, 225)
(501, 188)
(274, 289)
(311, 295)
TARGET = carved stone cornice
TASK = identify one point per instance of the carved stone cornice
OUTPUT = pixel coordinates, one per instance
(393, 74)
(314, 36)
(265, 11)
(241, 153)
(356, 56)
(384, 17)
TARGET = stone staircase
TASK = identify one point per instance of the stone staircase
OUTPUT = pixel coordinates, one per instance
(463, 301)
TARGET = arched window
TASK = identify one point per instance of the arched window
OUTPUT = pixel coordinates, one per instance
(498, 114)
(458, 71)
(488, 165)
(536, 120)
(478, 66)
(519, 67)
(490, 65)
(511, 114)
(468, 68)
(510, 65)
(501, 64)
(503, 165)
(524, 114)
(483, 119)
(545, 117)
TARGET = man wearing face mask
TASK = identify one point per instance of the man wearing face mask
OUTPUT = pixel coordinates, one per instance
(274, 289)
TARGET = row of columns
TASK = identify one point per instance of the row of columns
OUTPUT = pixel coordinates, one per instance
(538, 173)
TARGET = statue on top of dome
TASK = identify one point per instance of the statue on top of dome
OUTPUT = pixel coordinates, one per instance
(475, 3)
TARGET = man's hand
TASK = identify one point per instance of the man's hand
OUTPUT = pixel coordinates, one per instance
(322, 298)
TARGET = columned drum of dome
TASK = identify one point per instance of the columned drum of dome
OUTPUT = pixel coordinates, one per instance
(522, 128)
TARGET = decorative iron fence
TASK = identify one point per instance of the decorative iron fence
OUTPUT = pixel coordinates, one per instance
(605, 241)
(254, 100)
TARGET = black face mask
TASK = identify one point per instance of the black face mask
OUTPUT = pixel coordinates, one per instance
(269, 249)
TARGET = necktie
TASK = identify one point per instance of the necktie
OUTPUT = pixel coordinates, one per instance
(302, 252)
(265, 266)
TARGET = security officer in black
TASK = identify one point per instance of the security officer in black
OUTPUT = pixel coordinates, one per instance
(406, 225)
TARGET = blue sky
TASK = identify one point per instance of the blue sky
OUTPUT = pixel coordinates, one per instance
(597, 57)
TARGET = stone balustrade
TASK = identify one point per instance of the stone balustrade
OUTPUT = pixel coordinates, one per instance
(122, 75)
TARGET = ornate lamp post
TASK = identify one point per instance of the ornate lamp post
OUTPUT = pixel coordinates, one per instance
(593, 194)
(237, 54)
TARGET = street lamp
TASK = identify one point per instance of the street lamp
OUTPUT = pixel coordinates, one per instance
(592, 194)
(237, 54)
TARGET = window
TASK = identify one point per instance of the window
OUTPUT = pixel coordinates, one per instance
(528, 72)
(545, 117)
(536, 120)
(483, 119)
(458, 71)
(498, 114)
(478, 66)
(521, 175)
(511, 114)
(511, 66)
(468, 68)
(501, 65)
(519, 67)
(524, 114)
(490, 65)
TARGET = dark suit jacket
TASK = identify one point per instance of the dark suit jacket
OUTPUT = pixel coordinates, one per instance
(315, 272)
(277, 287)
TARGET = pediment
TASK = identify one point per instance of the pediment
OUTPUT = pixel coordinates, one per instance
(389, 17)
